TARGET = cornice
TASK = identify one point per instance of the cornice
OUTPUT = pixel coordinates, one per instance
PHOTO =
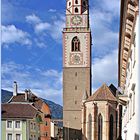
(128, 16)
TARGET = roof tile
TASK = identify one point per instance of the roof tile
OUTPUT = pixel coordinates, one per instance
(18, 111)
(102, 94)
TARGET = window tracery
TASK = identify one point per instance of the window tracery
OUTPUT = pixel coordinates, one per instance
(75, 44)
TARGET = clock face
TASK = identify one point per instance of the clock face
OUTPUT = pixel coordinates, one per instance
(76, 59)
(76, 20)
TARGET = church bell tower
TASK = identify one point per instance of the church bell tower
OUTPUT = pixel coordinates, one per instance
(76, 66)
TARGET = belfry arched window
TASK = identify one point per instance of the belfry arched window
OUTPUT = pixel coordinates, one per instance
(89, 127)
(111, 128)
(76, 10)
(75, 44)
(76, 1)
(100, 127)
(84, 3)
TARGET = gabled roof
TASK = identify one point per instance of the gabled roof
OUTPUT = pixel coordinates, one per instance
(18, 111)
(20, 98)
(102, 94)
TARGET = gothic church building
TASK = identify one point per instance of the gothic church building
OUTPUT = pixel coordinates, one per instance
(85, 117)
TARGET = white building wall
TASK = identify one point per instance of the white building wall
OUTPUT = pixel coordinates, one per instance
(130, 120)
(52, 129)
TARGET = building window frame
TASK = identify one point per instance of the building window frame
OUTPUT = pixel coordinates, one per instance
(76, 10)
(9, 126)
(18, 126)
(31, 125)
(7, 136)
(76, 1)
(89, 127)
(130, 106)
(75, 44)
(111, 126)
(18, 134)
(100, 127)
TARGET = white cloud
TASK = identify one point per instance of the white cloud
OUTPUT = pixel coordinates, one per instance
(11, 34)
(57, 28)
(111, 6)
(52, 10)
(41, 27)
(105, 70)
(54, 29)
(40, 43)
(104, 32)
(33, 19)
(105, 42)
(44, 83)
(51, 72)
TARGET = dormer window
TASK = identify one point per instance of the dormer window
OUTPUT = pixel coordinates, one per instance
(76, 10)
(75, 44)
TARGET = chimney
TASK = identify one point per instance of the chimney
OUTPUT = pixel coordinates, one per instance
(26, 94)
(15, 89)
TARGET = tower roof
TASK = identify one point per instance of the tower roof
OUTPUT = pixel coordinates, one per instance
(102, 94)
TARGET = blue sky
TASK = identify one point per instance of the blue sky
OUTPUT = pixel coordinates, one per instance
(32, 45)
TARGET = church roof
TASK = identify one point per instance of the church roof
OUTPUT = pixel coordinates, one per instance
(102, 94)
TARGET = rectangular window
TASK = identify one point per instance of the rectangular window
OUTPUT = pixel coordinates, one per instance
(18, 137)
(130, 106)
(31, 137)
(17, 124)
(9, 136)
(46, 134)
(9, 124)
(34, 137)
(34, 126)
(133, 102)
(31, 125)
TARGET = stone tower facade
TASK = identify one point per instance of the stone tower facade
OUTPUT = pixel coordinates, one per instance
(76, 66)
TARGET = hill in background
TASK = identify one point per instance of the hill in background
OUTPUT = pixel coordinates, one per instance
(56, 109)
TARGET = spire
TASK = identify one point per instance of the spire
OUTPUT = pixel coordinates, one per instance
(85, 96)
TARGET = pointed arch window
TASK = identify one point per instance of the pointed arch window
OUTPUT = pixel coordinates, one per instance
(89, 127)
(100, 127)
(111, 127)
(75, 44)
(76, 10)
(76, 1)
(84, 3)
